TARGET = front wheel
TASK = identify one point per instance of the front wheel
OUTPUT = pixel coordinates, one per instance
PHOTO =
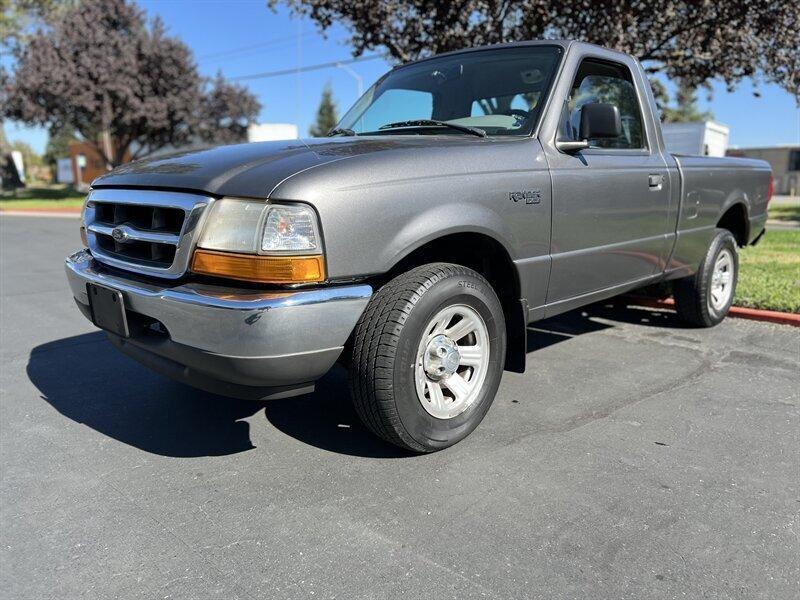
(704, 299)
(428, 355)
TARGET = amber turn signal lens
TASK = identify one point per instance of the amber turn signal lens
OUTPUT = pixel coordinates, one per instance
(261, 269)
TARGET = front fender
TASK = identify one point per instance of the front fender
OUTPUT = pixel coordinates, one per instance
(377, 208)
(440, 221)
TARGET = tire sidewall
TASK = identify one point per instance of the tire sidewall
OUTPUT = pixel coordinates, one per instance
(425, 429)
(722, 240)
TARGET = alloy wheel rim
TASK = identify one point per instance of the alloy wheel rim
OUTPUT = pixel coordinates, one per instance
(452, 361)
(721, 288)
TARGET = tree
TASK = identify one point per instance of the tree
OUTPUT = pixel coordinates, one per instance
(327, 116)
(5, 147)
(225, 112)
(688, 40)
(124, 85)
(17, 17)
(29, 156)
(58, 141)
(4, 84)
(686, 110)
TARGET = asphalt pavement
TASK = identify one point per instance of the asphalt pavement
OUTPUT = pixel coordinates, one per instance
(635, 459)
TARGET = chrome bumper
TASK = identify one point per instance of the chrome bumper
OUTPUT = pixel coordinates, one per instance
(232, 341)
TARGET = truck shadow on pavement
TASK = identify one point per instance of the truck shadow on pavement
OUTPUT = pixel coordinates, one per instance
(88, 381)
(542, 334)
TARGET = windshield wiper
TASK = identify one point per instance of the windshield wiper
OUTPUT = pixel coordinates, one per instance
(341, 131)
(433, 123)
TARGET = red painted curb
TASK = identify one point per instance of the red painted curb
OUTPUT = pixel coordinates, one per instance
(754, 314)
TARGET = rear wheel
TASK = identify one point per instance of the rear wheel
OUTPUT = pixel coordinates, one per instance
(428, 355)
(704, 299)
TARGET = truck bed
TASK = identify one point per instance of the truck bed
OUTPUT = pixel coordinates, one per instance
(710, 189)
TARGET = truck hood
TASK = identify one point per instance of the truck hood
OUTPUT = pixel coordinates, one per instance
(255, 170)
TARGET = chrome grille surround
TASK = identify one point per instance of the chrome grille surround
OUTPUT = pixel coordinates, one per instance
(169, 246)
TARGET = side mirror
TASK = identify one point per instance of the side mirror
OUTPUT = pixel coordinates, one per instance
(600, 121)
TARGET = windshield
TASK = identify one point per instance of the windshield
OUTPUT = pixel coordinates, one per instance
(499, 92)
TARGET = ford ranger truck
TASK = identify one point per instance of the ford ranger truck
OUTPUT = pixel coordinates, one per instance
(461, 198)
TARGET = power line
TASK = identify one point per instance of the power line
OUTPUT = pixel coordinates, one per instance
(328, 65)
(240, 49)
(248, 54)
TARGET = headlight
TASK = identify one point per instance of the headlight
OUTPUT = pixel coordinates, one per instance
(259, 241)
(290, 228)
(255, 227)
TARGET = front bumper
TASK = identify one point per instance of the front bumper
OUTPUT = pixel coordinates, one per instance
(231, 341)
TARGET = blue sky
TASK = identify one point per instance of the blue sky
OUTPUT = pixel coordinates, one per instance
(218, 30)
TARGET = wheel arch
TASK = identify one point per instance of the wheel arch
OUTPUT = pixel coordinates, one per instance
(735, 219)
(488, 256)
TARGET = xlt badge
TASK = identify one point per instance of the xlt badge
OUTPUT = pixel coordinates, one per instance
(529, 196)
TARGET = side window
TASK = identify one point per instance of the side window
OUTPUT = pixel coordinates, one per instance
(608, 83)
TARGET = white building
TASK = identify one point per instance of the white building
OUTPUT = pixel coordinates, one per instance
(267, 132)
(257, 132)
(703, 138)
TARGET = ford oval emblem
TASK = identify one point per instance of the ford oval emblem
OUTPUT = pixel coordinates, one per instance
(119, 234)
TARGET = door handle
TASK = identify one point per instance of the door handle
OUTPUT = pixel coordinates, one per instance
(655, 181)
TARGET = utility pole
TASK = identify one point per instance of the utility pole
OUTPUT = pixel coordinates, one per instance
(354, 75)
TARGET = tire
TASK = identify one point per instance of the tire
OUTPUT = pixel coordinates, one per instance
(699, 300)
(399, 348)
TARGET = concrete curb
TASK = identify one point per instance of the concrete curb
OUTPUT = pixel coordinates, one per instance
(754, 314)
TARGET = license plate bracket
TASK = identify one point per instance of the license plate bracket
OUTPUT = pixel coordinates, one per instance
(108, 309)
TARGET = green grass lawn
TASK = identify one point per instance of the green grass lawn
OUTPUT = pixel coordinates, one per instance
(785, 212)
(769, 273)
(41, 198)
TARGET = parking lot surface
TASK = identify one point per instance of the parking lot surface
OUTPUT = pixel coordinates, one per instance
(634, 459)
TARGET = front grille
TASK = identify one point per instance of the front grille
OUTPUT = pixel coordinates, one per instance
(146, 231)
(149, 252)
(142, 220)
(155, 218)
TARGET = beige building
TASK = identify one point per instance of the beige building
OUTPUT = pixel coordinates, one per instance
(785, 161)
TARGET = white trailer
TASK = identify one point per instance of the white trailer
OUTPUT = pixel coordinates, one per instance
(703, 138)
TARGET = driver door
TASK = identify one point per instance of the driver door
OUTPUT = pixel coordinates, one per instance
(610, 201)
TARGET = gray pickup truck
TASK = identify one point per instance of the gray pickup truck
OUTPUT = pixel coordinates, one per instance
(461, 198)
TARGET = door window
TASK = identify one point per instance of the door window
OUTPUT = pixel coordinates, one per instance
(607, 83)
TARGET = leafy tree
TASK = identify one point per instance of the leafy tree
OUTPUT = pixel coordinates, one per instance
(686, 110)
(3, 102)
(225, 112)
(29, 156)
(123, 84)
(687, 40)
(58, 141)
(327, 116)
(660, 94)
(17, 17)
(4, 145)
